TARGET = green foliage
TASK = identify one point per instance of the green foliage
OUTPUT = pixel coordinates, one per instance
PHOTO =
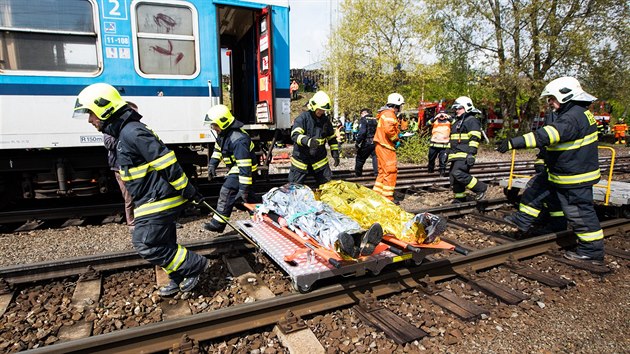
(414, 149)
(375, 51)
(498, 52)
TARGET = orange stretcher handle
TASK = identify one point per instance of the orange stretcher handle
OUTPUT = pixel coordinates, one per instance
(416, 247)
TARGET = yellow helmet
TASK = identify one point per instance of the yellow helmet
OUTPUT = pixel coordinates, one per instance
(320, 100)
(219, 115)
(101, 99)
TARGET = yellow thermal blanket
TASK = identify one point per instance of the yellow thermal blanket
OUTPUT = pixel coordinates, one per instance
(368, 207)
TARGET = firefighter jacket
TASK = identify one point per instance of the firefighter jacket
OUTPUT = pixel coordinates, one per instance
(308, 126)
(149, 169)
(367, 129)
(571, 143)
(440, 131)
(235, 148)
(550, 117)
(465, 137)
(387, 131)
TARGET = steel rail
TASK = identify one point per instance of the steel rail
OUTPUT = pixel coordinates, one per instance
(22, 274)
(206, 326)
(404, 182)
(411, 176)
(27, 273)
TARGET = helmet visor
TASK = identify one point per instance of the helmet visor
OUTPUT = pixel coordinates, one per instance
(457, 106)
(325, 107)
(82, 113)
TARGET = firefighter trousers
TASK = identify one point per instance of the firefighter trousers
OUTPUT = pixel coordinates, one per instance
(322, 175)
(363, 153)
(577, 206)
(227, 199)
(537, 202)
(440, 154)
(155, 240)
(461, 179)
(387, 172)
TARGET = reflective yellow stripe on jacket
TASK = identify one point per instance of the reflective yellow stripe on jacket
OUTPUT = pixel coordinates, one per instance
(141, 171)
(158, 206)
(575, 144)
(575, 179)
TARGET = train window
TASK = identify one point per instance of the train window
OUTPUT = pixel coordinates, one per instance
(165, 37)
(48, 35)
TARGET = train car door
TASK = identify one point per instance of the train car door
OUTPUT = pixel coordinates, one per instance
(246, 34)
(264, 105)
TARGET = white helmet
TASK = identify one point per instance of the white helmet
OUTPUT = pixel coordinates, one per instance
(566, 89)
(464, 101)
(395, 99)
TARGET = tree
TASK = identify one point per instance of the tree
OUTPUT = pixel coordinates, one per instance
(375, 50)
(522, 44)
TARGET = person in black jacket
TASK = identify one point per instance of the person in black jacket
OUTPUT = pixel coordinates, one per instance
(310, 132)
(156, 181)
(365, 143)
(234, 146)
(572, 163)
(536, 194)
(465, 137)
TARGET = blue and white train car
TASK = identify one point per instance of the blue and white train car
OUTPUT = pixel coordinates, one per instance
(164, 55)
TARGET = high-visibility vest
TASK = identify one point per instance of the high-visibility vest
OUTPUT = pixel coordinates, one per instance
(441, 131)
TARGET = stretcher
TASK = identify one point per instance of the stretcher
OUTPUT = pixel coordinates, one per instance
(306, 262)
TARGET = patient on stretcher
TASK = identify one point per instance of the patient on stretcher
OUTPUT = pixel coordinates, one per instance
(335, 231)
(367, 207)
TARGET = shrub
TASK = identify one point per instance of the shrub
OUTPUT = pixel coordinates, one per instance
(414, 149)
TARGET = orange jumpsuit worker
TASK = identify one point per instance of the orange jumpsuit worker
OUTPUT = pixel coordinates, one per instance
(385, 140)
(620, 132)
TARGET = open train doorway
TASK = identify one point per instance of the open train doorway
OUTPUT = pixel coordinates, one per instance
(247, 81)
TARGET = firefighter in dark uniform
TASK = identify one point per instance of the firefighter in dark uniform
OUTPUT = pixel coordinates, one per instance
(154, 179)
(465, 137)
(572, 163)
(365, 143)
(310, 132)
(536, 195)
(234, 146)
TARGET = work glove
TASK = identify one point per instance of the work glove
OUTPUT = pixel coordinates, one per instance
(312, 143)
(212, 172)
(504, 146)
(313, 146)
(335, 161)
(397, 145)
(198, 198)
(189, 192)
(539, 167)
(470, 160)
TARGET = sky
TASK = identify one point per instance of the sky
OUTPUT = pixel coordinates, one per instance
(309, 28)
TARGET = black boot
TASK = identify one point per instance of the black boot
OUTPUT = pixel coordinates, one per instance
(214, 226)
(347, 245)
(371, 238)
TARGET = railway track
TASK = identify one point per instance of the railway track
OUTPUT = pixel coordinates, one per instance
(208, 326)
(409, 178)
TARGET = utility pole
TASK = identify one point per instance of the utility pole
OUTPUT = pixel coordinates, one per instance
(335, 68)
